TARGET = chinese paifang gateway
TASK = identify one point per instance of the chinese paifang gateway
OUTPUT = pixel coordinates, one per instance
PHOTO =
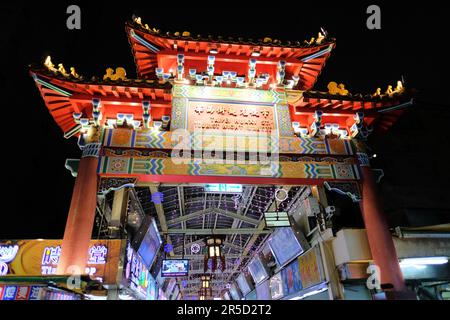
(126, 129)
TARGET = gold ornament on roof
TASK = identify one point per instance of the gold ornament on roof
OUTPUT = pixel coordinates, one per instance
(74, 73)
(138, 20)
(267, 39)
(62, 70)
(120, 74)
(342, 89)
(186, 34)
(109, 73)
(48, 63)
(400, 88)
(335, 89)
(320, 38)
(311, 41)
(377, 93)
(389, 90)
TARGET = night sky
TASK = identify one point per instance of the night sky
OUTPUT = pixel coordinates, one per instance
(37, 188)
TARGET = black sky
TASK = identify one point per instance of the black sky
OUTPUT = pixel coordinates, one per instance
(411, 43)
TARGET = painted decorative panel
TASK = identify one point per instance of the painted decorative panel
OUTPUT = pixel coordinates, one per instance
(149, 139)
(273, 169)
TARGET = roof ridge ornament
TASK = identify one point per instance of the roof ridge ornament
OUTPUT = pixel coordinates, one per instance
(51, 67)
(119, 74)
(335, 89)
(264, 41)
(390, 91)
(62, 70)
(320, 38)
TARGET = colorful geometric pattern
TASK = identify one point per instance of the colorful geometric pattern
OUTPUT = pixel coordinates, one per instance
(179, 111)
(195, 167)
(149, 139)
(284, 120)
(229, 94)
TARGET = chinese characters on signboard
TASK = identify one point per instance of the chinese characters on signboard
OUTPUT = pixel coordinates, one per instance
(230, 117)
(13, 292)
(51, 255)
(41, 257)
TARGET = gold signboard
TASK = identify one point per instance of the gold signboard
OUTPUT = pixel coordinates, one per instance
(230, 117)
(41, 257)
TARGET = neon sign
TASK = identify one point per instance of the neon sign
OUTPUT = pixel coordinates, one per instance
(136, 273)
(51, 255)
(7, 254)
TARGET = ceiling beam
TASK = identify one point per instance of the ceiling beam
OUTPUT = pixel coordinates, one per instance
(237, 216)
(181, 203)
(188, 216)
(232, 246)
(248, 202)
(202, 244)
(201, 271)
(213, 210)
(197, 281)
(161, 217)
(201, 256)
(218, 231)
(261, 226)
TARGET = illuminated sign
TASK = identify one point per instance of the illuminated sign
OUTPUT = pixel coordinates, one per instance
(230, 117)
(3, 268)
(41, 257)
(13, 292)
(51, 255)
(7, 254)
(49, 294)
(137, 275)
(276, 219)
(223, 188)
(175, 268)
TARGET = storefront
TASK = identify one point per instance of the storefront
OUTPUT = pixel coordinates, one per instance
(28, 270)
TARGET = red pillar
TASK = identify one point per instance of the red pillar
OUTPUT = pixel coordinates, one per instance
(380, 239)
(80, 222)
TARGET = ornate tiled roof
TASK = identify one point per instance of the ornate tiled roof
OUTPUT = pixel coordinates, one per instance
(153, 49)
(264, 41)
(357, 96)
(95, 80)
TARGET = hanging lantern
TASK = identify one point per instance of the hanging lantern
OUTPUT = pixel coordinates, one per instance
(206, 281)
(204, 293)
(214, 253)
(206, 287)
